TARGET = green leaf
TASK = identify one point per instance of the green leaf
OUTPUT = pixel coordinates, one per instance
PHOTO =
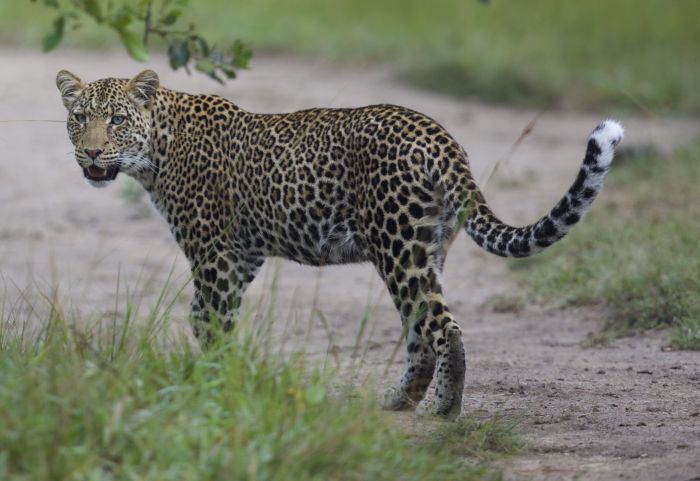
(171, 17)
(134, 45)
(229, 70)
(241, 54)
(201, 44)
(120, 19)
(315, 394)
(205, 65)
(52, 40)
(178, 54)
(94, 9)
(216, 77)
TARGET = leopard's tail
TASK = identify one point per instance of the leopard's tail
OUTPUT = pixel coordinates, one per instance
(507, 241)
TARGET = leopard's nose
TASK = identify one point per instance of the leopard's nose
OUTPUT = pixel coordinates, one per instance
(93, 153)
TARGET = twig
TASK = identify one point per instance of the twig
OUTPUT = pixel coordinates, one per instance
(526, 131)
(147, 23)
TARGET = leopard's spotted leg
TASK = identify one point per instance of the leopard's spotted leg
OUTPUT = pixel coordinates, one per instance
(432, 330)
(433, 336)
(219, 286)
(445, 337)
(420, 363)
(416, 379)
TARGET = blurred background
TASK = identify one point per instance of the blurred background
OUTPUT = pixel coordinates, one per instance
(636, 54)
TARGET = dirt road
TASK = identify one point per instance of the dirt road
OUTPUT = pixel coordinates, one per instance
(626, 411)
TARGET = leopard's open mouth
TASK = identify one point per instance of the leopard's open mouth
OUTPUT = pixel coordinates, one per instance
(99, 174)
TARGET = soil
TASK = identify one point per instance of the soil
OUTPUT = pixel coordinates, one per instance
(628, 410)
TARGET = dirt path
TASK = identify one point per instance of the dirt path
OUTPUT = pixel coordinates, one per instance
(627, 411)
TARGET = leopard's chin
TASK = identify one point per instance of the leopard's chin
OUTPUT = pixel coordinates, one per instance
(99, 177)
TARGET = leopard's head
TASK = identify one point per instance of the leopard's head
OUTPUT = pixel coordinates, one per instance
(109, 123)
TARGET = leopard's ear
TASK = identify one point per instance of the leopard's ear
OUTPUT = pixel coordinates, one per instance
(70, 87)
(142, 88)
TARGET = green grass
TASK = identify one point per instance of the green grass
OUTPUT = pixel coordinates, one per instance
(687, 335)
(546, 53)
(113, 401)
(479, 440)
(637, 252)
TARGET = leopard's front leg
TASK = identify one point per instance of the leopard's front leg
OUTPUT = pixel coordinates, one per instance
(219, 285)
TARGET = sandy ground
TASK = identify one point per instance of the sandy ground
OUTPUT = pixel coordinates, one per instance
(625, 411)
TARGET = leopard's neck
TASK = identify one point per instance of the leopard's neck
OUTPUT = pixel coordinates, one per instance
(179, 121)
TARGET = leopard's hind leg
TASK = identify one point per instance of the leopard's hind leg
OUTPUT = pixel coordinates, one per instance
(445, 337)
(416, 379)
(433, 338)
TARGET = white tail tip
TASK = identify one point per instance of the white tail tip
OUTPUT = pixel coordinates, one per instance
(609, 133)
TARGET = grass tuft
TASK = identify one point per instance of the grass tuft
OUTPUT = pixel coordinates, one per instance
(120, 402)
(687, 334)
(485, 440)
(637, 252)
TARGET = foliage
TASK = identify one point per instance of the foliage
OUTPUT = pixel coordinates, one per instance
(135, 22)
(637, 252)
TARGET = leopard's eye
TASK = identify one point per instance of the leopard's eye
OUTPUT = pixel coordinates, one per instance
(117, 119)
(80, 117)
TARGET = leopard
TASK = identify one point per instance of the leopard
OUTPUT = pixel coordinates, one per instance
(382, 184)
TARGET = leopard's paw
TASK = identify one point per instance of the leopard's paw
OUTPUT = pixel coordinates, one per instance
(431, 408)
(396, 399)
